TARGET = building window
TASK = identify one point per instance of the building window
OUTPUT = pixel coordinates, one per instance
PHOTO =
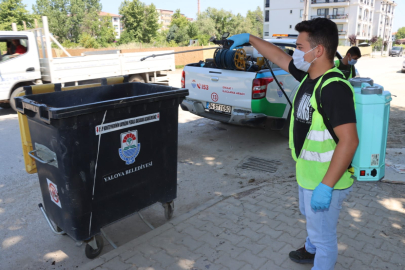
(290, 11)
(322, 12)
(340, 27)
(338, 11)
(267, 3)
(301, 12)
(266, 16)
(290, 26)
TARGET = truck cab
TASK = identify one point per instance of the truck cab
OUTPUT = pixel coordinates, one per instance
(19, 62)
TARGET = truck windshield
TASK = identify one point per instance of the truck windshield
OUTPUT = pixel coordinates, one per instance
(396, 48)
(287, 48)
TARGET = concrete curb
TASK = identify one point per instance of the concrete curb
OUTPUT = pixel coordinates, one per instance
(167, 226)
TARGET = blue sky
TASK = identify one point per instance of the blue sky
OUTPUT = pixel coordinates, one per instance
(189, 8)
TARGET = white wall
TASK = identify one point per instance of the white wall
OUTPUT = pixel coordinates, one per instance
(281, 18)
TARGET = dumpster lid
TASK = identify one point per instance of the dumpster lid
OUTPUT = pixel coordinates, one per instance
(65, 104)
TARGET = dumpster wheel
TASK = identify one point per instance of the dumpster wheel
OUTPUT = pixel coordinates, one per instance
(169, 209)
(92, 253)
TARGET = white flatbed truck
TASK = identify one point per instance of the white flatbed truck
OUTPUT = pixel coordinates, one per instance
(38, 66)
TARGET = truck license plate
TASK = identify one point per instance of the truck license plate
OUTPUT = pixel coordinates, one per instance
(219, 107)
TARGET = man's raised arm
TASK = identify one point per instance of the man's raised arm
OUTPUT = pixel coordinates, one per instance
(267, 49)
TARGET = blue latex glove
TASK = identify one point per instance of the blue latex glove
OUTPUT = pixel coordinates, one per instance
(321, 197)
(239, 40)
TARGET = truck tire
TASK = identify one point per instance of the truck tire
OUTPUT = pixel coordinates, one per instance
(15, 93)
(136, 78)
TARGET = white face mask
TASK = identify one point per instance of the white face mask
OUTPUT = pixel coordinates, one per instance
(299, 61)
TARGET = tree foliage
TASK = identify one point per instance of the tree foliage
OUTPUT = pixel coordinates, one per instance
(70, 19)
(141, 21)
(400, 33)
(353, 39)
(14, 11)
(256, 19)
(57, 12)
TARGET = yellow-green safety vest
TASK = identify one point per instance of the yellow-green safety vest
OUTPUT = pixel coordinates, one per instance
(337, 64)
(319, 146)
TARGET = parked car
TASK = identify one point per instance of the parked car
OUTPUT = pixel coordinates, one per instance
(396, 51)
(403, 66)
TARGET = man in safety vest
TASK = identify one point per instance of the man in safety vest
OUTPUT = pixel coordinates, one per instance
(346, 65)
(321, 164)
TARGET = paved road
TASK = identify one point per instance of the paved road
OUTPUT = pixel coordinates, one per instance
(209, 153)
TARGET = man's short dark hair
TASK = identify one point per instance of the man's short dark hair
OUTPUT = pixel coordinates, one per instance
(354, 51)
(321, 31)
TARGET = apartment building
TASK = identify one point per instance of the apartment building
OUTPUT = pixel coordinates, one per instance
(165, 18)
(363, 18)
(116, 22)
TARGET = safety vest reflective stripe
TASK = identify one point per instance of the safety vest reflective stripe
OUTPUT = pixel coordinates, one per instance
(319, 136)
(314, 156)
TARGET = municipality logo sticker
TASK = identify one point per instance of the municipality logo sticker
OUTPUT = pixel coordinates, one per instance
(193, 84)
(129, 147)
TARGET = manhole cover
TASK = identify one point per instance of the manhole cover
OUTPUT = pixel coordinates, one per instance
(260, 164)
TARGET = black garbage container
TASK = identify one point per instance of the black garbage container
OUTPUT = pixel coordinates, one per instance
(103, 153)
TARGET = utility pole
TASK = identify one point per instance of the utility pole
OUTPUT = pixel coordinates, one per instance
(305, 16)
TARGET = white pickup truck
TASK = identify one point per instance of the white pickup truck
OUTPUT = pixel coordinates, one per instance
(238, 97)
(36, 65)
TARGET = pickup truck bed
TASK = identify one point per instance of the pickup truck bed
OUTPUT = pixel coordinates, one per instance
(235, 89)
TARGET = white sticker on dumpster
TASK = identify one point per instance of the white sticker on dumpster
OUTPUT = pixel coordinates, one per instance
(53, 192)
(131, 122)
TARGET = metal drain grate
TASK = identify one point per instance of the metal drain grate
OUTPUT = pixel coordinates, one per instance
(260, 164)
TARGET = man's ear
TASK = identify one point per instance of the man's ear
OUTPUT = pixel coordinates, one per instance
(319, 51)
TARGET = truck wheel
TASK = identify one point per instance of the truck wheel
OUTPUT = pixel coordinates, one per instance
(136, 78)
(15, 93)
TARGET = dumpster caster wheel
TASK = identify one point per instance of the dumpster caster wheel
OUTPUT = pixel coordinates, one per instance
(92, 250)
(169, 209)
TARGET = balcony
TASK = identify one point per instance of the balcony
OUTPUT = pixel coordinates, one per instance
(266, 34)
(342, 33)
(332, 17)
(329, 3)
(338, 18)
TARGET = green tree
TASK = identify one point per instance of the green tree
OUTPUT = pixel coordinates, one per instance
(133, 16)
(105, 33)
(57, 12)
(13, 11)
(151, 25)
(206, 26)
(192, 30)
(92, 21)
(400, 33)
(256, 19)
(77, 13)
(179, 20)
